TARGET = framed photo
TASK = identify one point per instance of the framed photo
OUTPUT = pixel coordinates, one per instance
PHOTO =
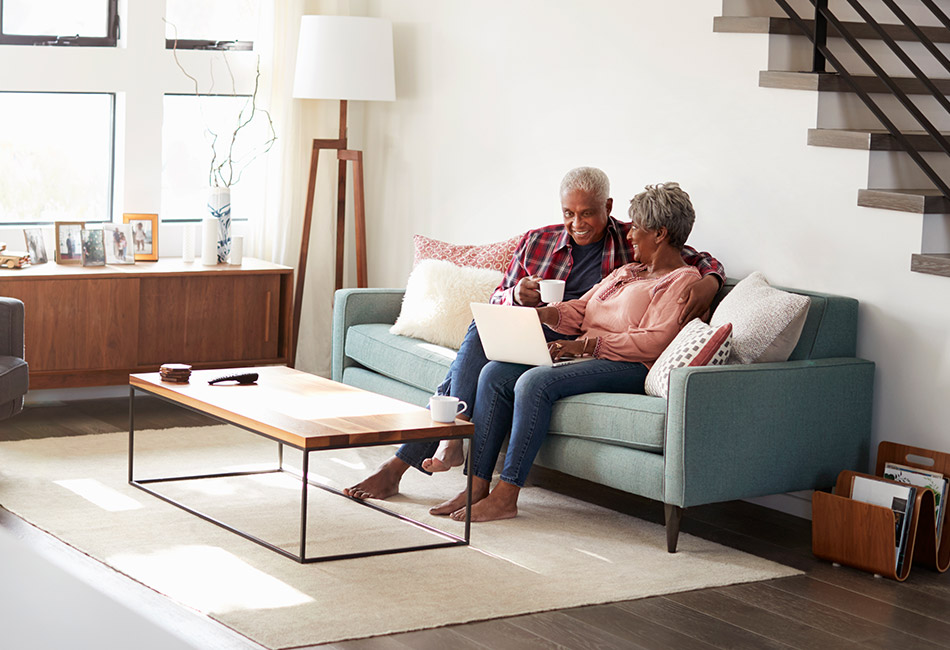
(118, 243)
(69, 242)
(35, 245)
(144, 235)
(93, 248)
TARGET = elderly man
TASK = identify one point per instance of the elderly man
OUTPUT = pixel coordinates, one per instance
(585, 248)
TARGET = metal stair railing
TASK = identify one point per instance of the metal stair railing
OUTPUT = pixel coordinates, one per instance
(818, 36)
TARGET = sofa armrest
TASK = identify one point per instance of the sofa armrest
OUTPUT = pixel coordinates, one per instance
(735, 432)
(355, 307)
(11, 328)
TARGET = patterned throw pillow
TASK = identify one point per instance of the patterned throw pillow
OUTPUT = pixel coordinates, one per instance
(495, 256)
(766, 322)
(435, 307)
(697, 344)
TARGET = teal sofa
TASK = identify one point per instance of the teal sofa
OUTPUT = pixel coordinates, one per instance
(724, 433)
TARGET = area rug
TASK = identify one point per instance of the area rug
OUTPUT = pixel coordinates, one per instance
(559, 552)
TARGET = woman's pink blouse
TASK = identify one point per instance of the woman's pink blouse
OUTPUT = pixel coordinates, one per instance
(633, 319)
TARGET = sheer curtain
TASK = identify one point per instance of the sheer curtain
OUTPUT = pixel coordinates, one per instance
(276, 236)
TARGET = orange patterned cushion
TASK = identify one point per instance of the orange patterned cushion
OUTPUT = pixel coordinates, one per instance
(495, 256)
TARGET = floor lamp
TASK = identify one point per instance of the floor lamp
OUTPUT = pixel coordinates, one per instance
(343, 58)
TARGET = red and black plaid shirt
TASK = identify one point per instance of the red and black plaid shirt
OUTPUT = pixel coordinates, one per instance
(546, 252)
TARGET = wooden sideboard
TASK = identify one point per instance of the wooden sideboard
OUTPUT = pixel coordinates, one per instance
(93, 326)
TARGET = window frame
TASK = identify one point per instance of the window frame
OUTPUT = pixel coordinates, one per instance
(110, 40)
(112, 154)
(193, 44)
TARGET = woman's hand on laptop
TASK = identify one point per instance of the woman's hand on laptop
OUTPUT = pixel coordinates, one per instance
(566, 349)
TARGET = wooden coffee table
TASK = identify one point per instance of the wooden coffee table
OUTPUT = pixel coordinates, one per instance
(304, 412)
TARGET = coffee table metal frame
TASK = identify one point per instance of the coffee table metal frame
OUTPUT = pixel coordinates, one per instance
(454, 540)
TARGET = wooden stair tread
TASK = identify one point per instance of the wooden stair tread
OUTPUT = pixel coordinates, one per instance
(775, 25)
(833, 82)
(931, 263)
(870, 139)
(921, 201)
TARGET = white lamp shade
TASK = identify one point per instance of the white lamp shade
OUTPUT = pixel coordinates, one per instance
(345, 57)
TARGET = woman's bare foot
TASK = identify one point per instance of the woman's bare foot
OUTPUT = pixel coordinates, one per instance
(479, 491)
(449, 454)
(502, 503)
(381, 484)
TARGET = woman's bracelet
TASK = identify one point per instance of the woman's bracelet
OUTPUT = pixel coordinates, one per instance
(585, 353)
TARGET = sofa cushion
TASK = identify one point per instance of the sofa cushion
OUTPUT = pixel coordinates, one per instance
(622, 419)
(766, 322)
(435, 307)
(409, 360)
(14, 378)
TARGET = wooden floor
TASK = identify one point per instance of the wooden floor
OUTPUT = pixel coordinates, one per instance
(827, 607)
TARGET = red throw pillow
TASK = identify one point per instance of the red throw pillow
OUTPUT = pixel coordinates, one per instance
(495, 256)
(697, 344)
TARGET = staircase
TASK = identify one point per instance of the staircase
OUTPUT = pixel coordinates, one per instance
(882, 68)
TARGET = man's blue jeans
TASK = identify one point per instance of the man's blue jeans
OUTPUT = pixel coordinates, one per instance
(518, 399)
(462, 382)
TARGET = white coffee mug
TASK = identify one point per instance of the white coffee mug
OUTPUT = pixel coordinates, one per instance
(552, 290)
(444, 408)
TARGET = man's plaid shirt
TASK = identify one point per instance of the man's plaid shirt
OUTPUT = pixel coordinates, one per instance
(546, 252)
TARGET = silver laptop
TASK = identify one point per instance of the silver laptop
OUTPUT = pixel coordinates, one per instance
(514, 334)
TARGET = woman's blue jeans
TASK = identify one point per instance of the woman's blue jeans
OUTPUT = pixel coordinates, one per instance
(462, 382)
(518, 399)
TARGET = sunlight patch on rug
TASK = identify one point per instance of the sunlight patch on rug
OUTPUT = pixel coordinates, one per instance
(209, 579)
(95, 492)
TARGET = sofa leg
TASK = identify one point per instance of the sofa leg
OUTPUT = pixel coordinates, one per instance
(673, 516)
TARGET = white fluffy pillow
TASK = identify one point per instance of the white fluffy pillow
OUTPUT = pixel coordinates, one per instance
(766, 322)
(436, 308)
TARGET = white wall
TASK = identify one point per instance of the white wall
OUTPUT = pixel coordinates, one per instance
(497, 99)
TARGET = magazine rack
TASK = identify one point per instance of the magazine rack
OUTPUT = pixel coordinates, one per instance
(862, 535)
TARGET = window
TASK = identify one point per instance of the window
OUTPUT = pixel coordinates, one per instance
(59, 22)
(187, 133)
(82, 139)
(56, 157)
(211, 24)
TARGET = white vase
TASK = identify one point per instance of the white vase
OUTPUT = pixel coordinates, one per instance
(219, 207)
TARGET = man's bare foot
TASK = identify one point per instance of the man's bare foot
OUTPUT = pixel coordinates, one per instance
(502, 503)
(449, 454)
(479, 491)
(381, 484)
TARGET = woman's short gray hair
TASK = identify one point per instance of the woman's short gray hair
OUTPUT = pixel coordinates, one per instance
(664, 205)
(588, 179)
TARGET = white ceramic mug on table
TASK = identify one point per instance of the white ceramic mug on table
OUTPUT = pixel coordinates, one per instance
(444, 408)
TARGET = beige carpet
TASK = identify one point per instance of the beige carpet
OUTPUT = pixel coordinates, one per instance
(559, 552)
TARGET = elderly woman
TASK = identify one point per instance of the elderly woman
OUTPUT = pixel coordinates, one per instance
(624, 323)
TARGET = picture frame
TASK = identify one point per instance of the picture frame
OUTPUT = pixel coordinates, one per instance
(68, 236)
(117, 239)
(93, 248)
(35, 245)
(144, 235)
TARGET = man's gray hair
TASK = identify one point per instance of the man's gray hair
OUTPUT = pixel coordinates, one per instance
(664, 205)
(588, 179)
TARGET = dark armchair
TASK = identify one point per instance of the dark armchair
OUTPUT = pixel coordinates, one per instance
(14, 372)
